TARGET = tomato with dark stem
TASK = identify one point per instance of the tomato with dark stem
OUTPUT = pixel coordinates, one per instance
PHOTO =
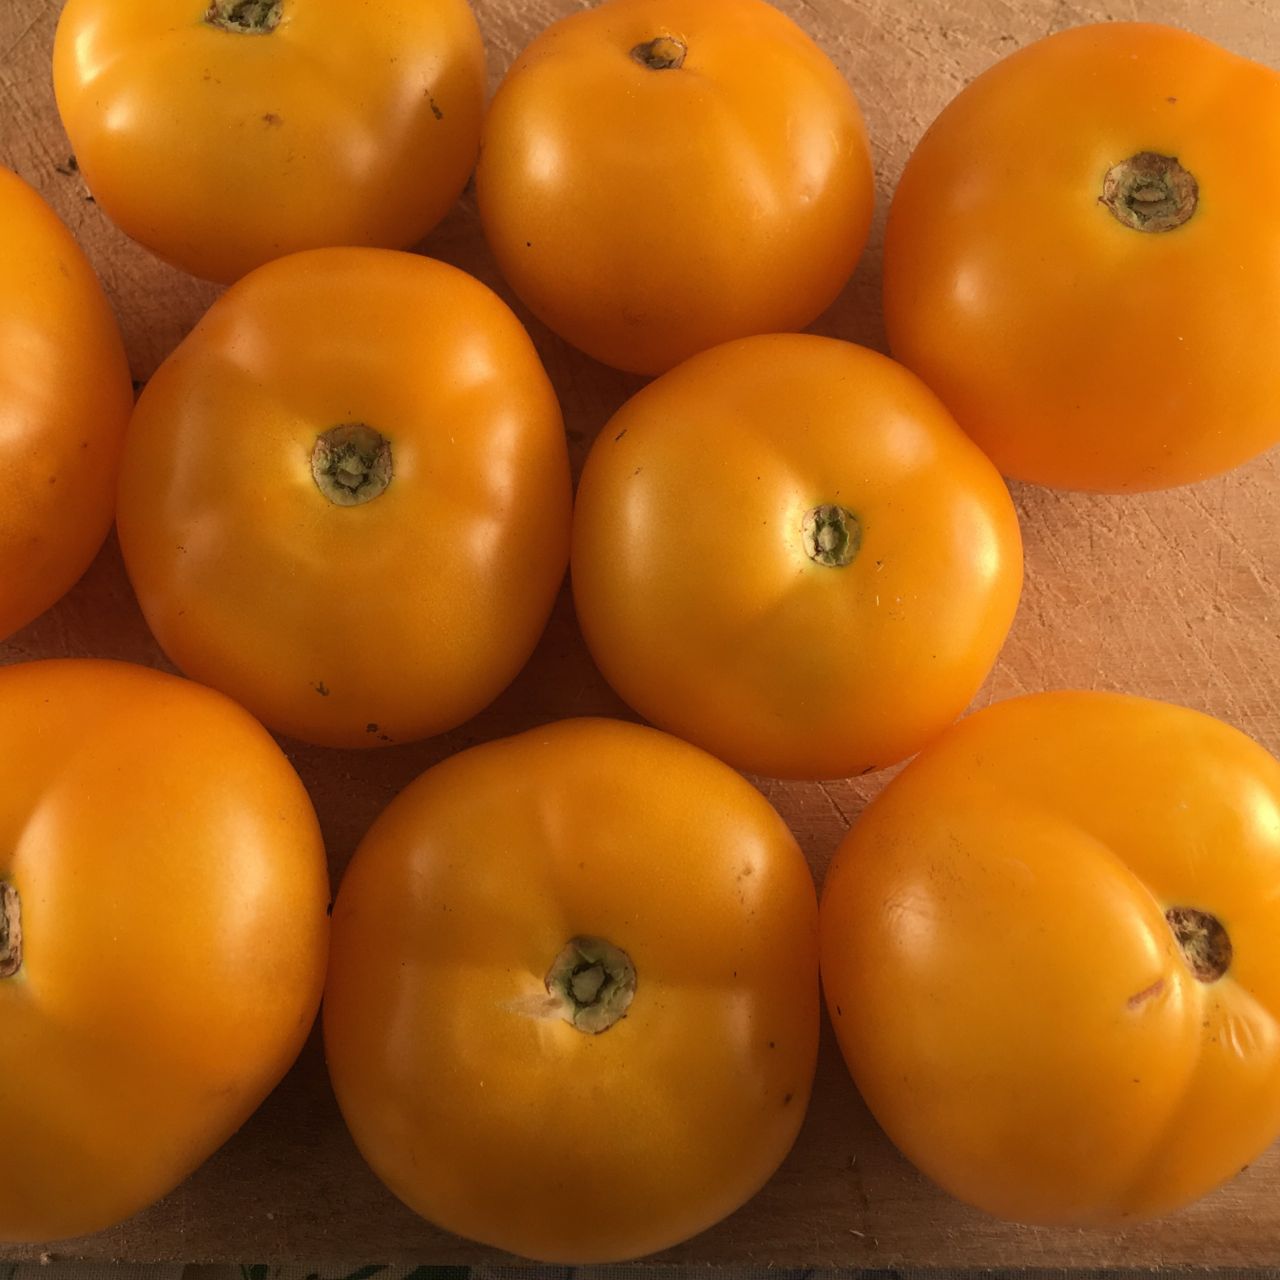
(572, 1006)
(345, 497)
(1051, 952)
(786, 551)
(1082, 261)
(658, 176)
(223, 133)
(163, 935)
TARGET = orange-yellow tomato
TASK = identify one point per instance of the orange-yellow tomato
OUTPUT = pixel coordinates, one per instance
(65, 398)
(1082, 261)
(1051, 951)
(786, 551)
(163, 891)
(658, 176)
(572, 1007)
(345, 497)
(223, 133)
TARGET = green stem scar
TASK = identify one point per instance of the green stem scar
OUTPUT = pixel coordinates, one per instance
(831, 535)
(351, 464)
(1205, 944)
(247, 17)
(593, 982)
(10, 930)
(1150, 192)
(662, 53)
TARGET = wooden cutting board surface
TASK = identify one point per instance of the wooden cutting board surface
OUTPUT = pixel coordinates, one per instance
(1170, 595)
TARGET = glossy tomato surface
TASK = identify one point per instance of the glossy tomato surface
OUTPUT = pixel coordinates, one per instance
(1051, 952)
(65, 399)
(786, 551)
(223, 133)
(162, 952)
(658, 176)
(345, 497)
(567, 1124)
(1082, 262)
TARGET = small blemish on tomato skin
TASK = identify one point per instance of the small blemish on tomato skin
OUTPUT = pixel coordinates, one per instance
(1139, 998)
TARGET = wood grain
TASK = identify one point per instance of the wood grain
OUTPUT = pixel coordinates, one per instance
(1170, 595)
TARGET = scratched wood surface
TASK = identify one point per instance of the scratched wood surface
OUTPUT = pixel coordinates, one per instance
(1170, 595)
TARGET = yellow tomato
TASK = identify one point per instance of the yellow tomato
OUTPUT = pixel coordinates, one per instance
(658, 176)
(572, 1008)
(1051, 951)
(786, 551)
(345, 497)
(223, 133)
(162, 935)
(1082, 259)
(65, 399)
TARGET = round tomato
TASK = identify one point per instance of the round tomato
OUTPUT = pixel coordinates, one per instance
(65, 398)
(787, 552)
(1081, 259)
(572, 1007)
(658, 176)
(345, 497)
(162, 935)
(223, 133)
(1051, 951)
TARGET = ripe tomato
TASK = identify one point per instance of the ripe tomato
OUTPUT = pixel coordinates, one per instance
(1051, 951)
(787, 552)
(572, 1008)
(65, 398)
(657, 176)
(163, 935)
(345, 497)
(223, 133)
(1081, 259)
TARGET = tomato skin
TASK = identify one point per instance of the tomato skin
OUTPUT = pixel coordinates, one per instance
(220, 150)
(349, 625)
(645, 215)
(700, 605)
(65, 399)
(1077, 351)
(173, 896)
(1004, 984)
(504, 1123)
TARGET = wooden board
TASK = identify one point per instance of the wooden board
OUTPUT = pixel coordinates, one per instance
(1170, 595)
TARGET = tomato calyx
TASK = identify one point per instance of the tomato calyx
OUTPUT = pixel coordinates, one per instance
(10, 930)
(592, 983)
(831, 535)
(662, 53)
(351, 464)
(246, 17)
(1205, 944)
(1150, 192)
